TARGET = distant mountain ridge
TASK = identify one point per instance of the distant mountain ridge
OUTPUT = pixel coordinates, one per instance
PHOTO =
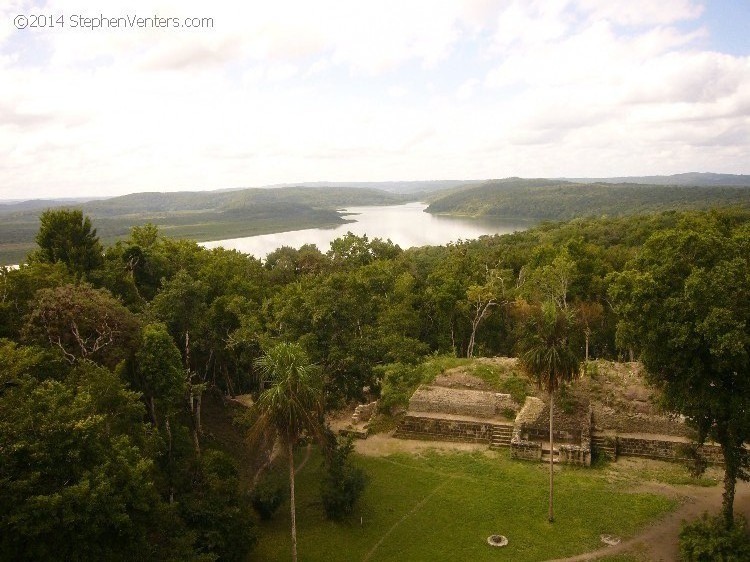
(208, 199)
(699, 179)
(198, 215)
(561, 200)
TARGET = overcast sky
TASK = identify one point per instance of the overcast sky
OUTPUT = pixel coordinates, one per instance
(369, 90)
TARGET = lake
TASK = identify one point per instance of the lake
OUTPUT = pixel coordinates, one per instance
(406, 225)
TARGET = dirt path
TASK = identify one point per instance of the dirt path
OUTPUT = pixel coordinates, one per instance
(657, 542)
(381, 445)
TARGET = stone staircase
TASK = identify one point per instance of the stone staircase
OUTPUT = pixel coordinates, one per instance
(501, 435)
(545, 454)
(605, 446)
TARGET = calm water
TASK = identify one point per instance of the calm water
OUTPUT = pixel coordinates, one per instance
(406, 225)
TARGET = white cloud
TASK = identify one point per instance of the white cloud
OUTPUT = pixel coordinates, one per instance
(642, 12)
(292, 91)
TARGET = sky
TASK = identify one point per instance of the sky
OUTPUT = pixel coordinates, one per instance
(268, 92)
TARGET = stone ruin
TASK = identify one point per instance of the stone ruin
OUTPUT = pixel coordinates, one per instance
(460, 402)
(481, 416)
(359, 427)
(609, 412)
(363, 412)
(459, 414)
(571, 433)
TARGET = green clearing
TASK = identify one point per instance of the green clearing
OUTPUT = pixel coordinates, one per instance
(443, 506)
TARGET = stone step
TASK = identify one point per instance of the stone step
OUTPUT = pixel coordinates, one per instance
(603, 445)
(501, 436)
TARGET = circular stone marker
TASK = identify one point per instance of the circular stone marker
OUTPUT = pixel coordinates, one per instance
(497, 540)
(610, 540)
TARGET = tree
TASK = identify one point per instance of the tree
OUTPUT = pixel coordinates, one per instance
(76, 481)
(483, 298)
(83, 322)
(588, 314)
(181, 306)
(293, 405)
(66, 236)
(553, 280)
(343, 483)
(684, 304)
(18, 288)
(547, 357)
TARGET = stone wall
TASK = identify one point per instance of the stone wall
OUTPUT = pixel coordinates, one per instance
(454, 401)
(542, 434)
(661, 447)
(526, 450)
(363, 412)
(618, 420)
(414, 426)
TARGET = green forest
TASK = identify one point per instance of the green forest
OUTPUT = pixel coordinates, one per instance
(113, 355)
(222, 214)
(563, 200)
(196, 215)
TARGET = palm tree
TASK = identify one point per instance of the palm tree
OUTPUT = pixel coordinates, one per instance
(548, 358)
(290, 407)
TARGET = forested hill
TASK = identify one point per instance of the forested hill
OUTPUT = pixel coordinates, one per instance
(561, 200)
(198, 215)
(690, 178)
(223, 201)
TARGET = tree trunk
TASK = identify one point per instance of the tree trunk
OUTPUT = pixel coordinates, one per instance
(550, 515)
(196, 435)
(152, 411)
(168, 428)
(587, 347)
(480, 314)
(730, 481)
(230, 387)
(291, 500)
(198, 402)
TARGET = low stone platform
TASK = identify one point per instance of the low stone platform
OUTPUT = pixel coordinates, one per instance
(462, 402)
(451, 427)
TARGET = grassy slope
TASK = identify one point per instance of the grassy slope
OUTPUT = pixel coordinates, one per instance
(200, 216)
(444, 506)
(561, 200)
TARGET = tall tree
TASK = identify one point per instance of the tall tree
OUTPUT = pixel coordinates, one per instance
(685, 307)
(549, 359)
(589, 314)
(483, 298)
(291, 406)
(66, 236)
(83, 322)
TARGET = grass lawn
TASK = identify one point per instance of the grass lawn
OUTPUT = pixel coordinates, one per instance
(443, 506)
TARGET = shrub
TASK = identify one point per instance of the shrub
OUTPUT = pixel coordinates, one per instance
(694, 461)
(398, 384)
(708, 539)
(343, 483)
(267, 496)
(517, 387)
